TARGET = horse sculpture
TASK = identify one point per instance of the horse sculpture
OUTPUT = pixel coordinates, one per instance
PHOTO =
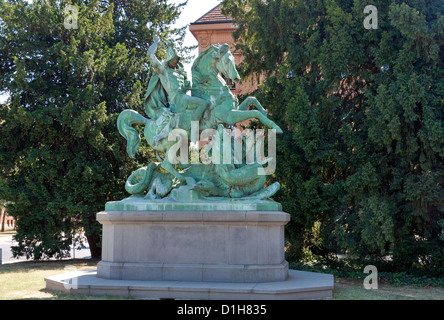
(209, 85)
(223, 109)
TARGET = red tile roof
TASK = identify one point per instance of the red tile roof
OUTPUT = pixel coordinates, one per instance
(214, 16)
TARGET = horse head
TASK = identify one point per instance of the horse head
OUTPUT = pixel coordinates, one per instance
(212, 61)
(225, 63)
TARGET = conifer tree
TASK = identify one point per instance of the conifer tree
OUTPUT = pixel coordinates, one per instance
(361, 162)
(61, 157)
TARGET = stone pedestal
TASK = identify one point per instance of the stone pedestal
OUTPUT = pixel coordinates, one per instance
(220, 246)
(221, 250)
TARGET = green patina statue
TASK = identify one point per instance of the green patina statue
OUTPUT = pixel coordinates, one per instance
(232, 174)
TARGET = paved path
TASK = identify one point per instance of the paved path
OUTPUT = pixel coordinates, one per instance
(6, 242)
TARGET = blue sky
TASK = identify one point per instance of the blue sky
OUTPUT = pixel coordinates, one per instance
(193, 11)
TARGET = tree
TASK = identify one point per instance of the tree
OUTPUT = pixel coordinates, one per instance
(361, 162)
(3, 215)
(61, 155)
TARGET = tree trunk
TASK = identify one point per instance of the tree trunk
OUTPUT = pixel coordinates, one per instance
(96, 251)
(93, 231)
(3, 212)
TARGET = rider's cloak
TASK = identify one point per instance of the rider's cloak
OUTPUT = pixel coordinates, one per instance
(157, 108)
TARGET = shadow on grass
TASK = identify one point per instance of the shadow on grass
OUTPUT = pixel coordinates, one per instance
(53, 265)
(32, 265)
(353, 289)
(57, 295)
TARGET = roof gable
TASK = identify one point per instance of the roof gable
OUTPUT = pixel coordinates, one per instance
(213, 16)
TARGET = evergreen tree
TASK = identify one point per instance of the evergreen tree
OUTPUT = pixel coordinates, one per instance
(361, 162)
(61, 157)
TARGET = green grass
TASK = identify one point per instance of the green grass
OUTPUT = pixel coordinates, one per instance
(353, 289)
(25, 280)
(345, 269)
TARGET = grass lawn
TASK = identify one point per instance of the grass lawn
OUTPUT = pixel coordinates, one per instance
(353, 289)
(25, 280)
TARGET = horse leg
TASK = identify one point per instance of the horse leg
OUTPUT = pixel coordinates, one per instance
(194, 105)
(200, 104)
(251, 101)
(235, 116)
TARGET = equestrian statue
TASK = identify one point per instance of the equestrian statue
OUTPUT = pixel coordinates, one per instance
(169, 108)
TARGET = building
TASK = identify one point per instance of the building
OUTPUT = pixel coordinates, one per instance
(6, 222)
(213, 28)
